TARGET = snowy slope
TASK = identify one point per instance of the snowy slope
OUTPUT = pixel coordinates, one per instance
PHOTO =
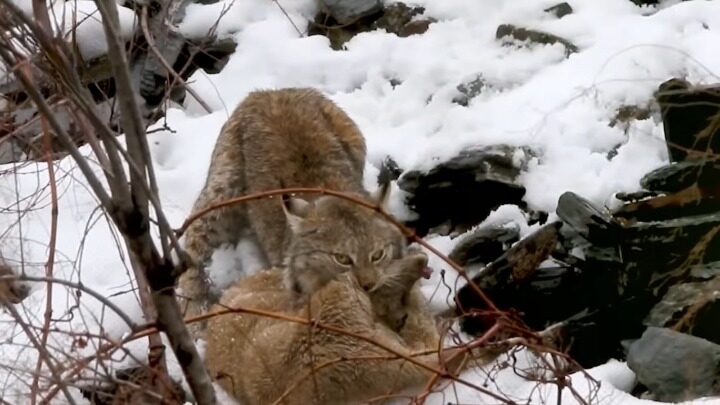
(560, 107)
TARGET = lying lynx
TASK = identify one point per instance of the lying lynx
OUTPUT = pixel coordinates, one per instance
(290, 138)
(257, 359)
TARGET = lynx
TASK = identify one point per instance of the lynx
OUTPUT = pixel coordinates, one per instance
(290, 138)
(257, 359)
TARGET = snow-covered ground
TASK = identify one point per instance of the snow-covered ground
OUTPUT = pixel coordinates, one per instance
(559, 106)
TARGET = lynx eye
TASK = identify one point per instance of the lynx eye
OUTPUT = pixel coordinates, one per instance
(377, 255)
(342, 259)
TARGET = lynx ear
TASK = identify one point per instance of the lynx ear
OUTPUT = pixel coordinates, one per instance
(295, 209)
(381, 196)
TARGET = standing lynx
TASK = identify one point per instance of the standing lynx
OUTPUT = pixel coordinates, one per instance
(289, 138)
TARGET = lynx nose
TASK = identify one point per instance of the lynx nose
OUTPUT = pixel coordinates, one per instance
(366, 281)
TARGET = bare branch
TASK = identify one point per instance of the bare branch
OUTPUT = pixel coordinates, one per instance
(51, 248)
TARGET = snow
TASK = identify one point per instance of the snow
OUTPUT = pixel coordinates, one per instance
(560, 107)
(80, 23)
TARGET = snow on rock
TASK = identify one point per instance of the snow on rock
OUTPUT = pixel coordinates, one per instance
(558, 106)
(81, 23)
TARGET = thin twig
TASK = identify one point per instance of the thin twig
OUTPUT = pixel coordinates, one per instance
(47, 141)
(79, 286)
(43, 353)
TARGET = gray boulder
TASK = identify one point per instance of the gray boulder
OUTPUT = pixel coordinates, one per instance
(675, 366)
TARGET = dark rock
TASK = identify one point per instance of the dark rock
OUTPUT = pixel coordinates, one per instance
(691, 119)
(657, 255)
(396, 18)
(348, 11)
(675, 366)
(210, 56)
(389, 171)
(415, 27)
(590, 222)
(626, 114)
(485, 244)
(469, 90)
(614, 151)
(645, 2)
(559, 10)
(536, 217)
(594, 334)
(688, 202)
(636, 195)
(501, 279)
(458, 194)
(681, 175)
(532, 36)
(692, 308)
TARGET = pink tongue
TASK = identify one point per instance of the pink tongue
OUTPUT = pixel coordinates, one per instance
(427, 272)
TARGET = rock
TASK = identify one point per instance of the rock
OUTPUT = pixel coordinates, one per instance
(692, 308)
(645, 2)
(396, 18)
(594, 334)
(559, 10)
(532, 36)
(458, 194)
(691, 201)
(674, 366)
(590, 222)
(469, 90)
(657, 255)
(681, 175)
(415, 27)
(210, 55)
(389, 171)
(485, 244)
(501, 279)
(636, 195)
(691, 119)
(628, 113)
(705, 271)
(348, 11)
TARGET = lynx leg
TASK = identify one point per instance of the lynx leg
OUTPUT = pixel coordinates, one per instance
(227, 225)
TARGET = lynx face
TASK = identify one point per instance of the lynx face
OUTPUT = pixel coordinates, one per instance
(331, 236)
